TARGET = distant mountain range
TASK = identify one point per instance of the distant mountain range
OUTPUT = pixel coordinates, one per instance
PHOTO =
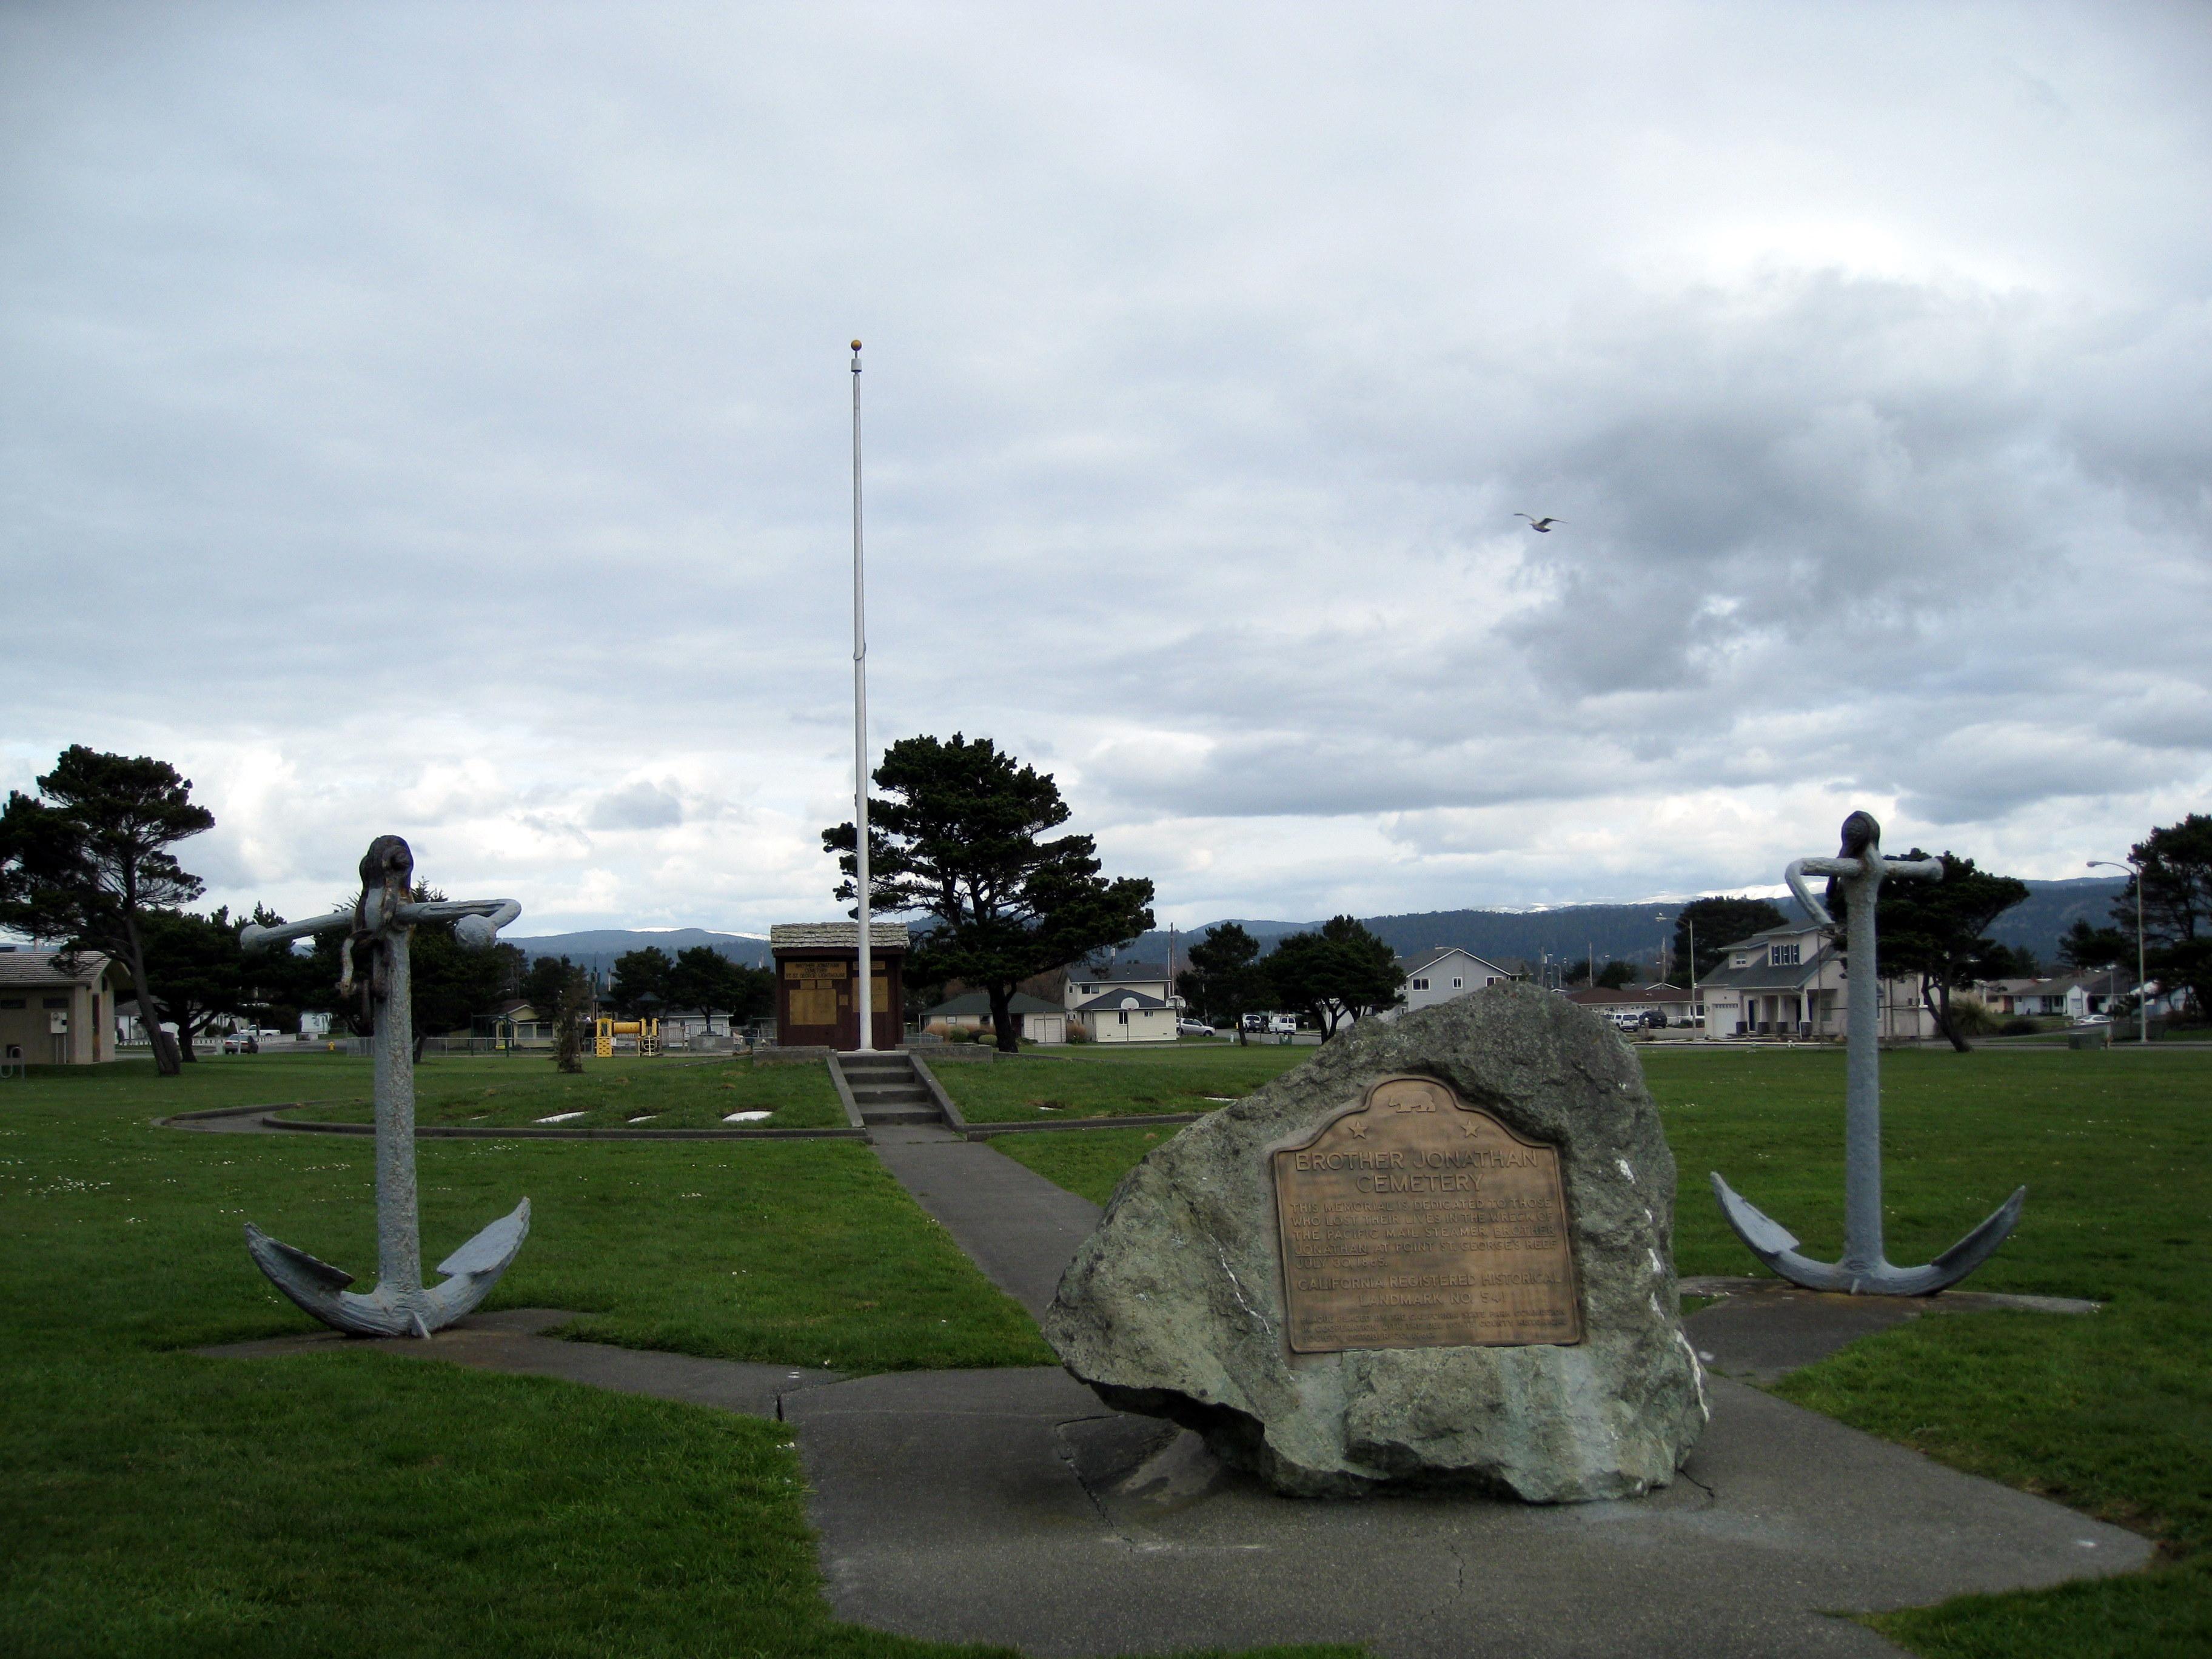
(1633, 932)
(1623, 932)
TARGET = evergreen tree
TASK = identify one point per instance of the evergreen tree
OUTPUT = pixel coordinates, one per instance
(959, 836)
(1336, 974)
(88, 861)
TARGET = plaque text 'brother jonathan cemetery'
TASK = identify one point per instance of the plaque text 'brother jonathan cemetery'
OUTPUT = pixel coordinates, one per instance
(1415, 1221)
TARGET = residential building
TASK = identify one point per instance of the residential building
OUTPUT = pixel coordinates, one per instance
(1127, 1016)
(1145, 979)
(1789, 981)
(1440, 974)
(1036, 1019)
(57, 1011)
(2072, 996)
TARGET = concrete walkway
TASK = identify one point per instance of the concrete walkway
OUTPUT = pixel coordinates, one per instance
(1012, 1507)
(512, 1340)
(1020, 1229)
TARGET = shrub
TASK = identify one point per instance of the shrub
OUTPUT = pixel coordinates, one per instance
(1078, 1031)
(2019, 1025)
(1971, 1017)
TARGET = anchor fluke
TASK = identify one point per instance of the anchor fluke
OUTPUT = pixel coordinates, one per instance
(392, 1309)
(1776, 1246)
(282, 1263)
(491, 1250)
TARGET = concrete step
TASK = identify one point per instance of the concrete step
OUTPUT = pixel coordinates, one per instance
(887, 1091)
(903, 1113)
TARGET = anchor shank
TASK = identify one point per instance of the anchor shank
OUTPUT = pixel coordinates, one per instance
(398, 1234)
(1862, 1242)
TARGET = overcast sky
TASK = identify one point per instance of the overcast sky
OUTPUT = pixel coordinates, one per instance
(436, 420)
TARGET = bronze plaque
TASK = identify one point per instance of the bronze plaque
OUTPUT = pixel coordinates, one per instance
(1415, 1221)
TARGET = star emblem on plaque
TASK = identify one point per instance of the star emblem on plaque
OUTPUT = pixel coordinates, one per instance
(1411, 1219)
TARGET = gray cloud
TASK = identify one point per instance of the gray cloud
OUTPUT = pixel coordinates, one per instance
(429, 423)
(639, 806)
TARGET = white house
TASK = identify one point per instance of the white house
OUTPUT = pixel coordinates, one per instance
(1441, 975)
(1144, 979)
(1789, 982)
(1124, 1016)
(2075, 996)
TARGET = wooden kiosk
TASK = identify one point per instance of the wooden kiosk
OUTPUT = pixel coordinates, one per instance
(816, 965)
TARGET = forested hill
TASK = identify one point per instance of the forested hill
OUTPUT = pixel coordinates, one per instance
(599, 946)
(1632, 931)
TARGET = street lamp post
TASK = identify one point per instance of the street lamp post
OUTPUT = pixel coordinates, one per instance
(1692, 927)
(2142, 979)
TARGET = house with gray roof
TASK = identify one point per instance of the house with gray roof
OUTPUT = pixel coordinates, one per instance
(1438, 976)
(1788, 982)
(1127, 1016)
(1146, 979)
(58, 1011)
(1037, 1020)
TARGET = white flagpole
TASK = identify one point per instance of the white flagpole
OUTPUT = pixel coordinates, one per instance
(864, 993)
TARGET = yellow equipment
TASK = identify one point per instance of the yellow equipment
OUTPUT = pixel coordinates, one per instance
(643, 1034)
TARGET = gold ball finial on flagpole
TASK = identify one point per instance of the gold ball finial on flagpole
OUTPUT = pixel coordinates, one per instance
(856, 345)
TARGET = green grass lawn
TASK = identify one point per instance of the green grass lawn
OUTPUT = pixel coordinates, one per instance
(1112, 1080)
(153, 1501)
(504, 1093)
(2111, 1414)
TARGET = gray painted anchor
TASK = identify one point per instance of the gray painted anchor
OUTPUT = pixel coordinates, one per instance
(384, 918)
(1859, 870)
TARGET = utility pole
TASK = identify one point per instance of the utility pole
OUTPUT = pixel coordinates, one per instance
(863, 993)
(2142, 973)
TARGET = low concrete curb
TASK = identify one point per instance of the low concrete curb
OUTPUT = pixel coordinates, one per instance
(944, 1102)
(845, 1095)
(540, 1132)
(985, 1131)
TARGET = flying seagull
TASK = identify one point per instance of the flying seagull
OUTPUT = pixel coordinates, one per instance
(1541, 527)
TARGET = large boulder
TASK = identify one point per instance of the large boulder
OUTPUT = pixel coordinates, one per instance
(1510, 1348)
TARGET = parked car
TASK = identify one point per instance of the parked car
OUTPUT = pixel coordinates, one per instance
(1283, 1025)
(1193, 1028)
(242, 1042)
(1255, 1022)
(2092, 1019)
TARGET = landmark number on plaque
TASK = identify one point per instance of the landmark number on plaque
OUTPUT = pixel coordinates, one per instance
(1413, 1220)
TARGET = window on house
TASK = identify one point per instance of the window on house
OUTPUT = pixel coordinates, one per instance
(1458, 985)
(55, 1002)
(1420, 985)
(1781, 956)
(1123, 1016)
(11, 1002)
